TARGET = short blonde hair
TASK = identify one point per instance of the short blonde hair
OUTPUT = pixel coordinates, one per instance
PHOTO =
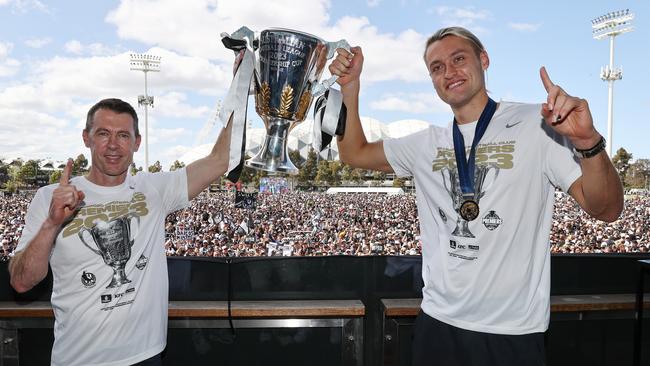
(458, 32)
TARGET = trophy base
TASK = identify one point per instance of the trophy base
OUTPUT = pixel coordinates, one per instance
(272, 167)
(273, 156)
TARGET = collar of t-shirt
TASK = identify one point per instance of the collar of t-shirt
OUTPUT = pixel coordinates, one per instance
(85, 184)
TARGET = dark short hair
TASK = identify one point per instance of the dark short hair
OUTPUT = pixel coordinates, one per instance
(458, 32)
(115, 105)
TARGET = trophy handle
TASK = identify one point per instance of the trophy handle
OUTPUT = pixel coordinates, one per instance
(320, 88)
(239, 39)
(81, 236)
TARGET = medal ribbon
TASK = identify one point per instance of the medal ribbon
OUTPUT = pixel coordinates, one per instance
(466, 166)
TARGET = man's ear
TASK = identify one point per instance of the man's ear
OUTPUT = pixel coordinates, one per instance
(86, 137)
(485, 60)
(138, 139)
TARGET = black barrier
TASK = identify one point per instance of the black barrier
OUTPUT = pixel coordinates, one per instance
(369, 279)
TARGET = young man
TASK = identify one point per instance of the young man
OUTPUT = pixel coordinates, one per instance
(485, 192)
(103, 236)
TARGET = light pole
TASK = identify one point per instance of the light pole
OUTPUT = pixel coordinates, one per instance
(145, 63)
(611, 25)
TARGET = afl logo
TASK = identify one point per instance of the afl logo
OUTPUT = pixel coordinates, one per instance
(88, 279)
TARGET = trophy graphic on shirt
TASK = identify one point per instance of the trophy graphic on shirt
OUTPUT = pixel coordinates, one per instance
(113, 242)
(452, 185)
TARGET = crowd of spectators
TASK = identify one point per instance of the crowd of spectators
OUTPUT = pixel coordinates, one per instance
(317, 224)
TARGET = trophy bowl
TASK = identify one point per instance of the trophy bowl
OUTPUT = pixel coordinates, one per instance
(288, 67)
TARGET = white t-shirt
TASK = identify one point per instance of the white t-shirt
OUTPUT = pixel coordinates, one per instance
(491, 274)
(104, 316)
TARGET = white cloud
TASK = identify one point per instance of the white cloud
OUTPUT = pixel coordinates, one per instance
(5, 49)
(525, 27)
(193, 27)
(174, 104)
(467, 17)
(373, 3)
(412, 103)
(38, 42)
(23, 6)
(94, 49)
(8, 66)
(74, 47)
(37, 135)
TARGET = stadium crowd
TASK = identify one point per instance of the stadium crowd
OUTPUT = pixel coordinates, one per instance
(317, 224)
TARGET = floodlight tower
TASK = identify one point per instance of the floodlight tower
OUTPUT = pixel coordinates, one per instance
(611, 25)
(145, 63)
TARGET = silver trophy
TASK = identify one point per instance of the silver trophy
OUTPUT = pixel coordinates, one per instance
(288, 66)
(452, 185)
(113, 242)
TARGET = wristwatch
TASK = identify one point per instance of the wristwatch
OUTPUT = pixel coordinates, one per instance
(591, 152)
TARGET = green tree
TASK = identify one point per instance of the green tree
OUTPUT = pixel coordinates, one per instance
(621, 162)
(55, 177)
(79, 165)
(324, 173)
(295, 157)
(336, 167)
(309, 169)
(27, 173)
(638, 175)
(378, 177)
(398, 182)
(176, 165)
(156, 167)
(4, 173)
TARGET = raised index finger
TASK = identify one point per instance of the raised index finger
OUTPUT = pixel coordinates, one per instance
(548, 84)
(65, 176)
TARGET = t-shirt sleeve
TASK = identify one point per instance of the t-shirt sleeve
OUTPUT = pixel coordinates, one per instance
(172, 187)
(560, 165)
(402, 152)
(36, 215)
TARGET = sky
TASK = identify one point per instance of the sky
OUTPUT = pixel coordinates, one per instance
(57, 58)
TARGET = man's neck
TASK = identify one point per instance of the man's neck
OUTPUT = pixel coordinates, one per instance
(105, 180)
(470, 111)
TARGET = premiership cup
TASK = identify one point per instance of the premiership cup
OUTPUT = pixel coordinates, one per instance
(452, 186)
(113, 242)
(286, 79)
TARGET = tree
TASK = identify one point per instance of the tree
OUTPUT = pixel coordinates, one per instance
(27, 173)
(336, 166)
(79, 165)
(295, 157)
(55, 177)
(638, 175)
(378, 177)
(4, 173)
(621, 162)
(309, 169)
(324, 173)
(156, 167)
(398, 182)
(176, 165)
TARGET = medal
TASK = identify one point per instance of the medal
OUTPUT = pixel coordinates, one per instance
(469, 209)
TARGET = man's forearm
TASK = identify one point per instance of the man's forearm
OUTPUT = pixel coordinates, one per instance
(208, 169)
(29, 266)
(601, 188)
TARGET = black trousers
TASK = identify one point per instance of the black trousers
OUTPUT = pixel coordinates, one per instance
(153, 361)
(439, 344)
